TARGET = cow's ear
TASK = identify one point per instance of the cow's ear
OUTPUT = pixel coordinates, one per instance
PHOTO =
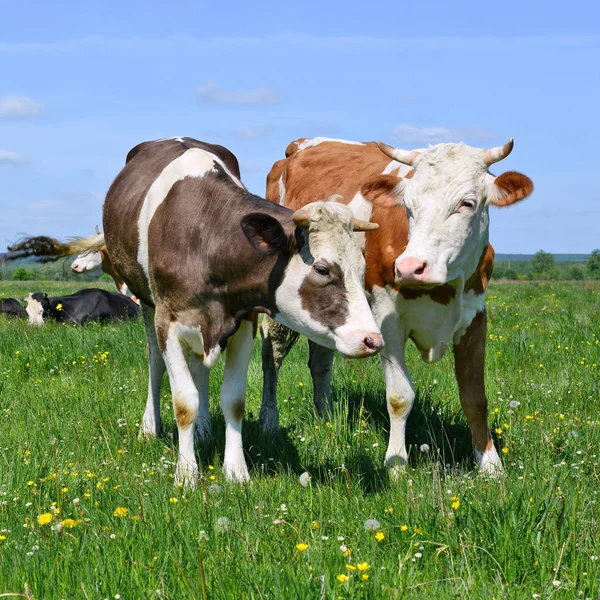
(508, 188)
(383, 190)
(264, 232)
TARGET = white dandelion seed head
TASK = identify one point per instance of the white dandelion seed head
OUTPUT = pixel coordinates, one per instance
(372, 525)
(214, 489)
(514, 404)
(223, 524)
(424, 448)
(112, 536)
(305, 479)
(203, 535)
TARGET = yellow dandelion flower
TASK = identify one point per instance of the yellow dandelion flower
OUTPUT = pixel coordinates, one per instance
(315, 524)
(173, 500)
(342, 577)
(455, 505)
(389, 510)
(301, 547)
(70, 523)
(2, 538)
(30, 483)
(403, 527)
(59, 306)
(379, 536)
(505, 450)
(120, 511)
(350, 567)
(348, 552)
(364, 577)
(44, 519)
(363, 566)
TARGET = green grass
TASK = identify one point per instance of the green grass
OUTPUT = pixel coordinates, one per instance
(71, 400)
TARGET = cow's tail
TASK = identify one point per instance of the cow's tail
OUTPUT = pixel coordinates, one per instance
(48, 249)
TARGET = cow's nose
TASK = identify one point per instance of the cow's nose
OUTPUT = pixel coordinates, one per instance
(373, 342)
(410, 269)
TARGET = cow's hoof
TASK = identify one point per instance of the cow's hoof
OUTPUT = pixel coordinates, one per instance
(490, 463)
(269, 425)
(148, 429)
(236, 473)
(186, 475)
(396, 467)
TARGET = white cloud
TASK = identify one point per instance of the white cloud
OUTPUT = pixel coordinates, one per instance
(422, 136)
(210, 92)
(19, 107)
(252, 132)
(12, 158)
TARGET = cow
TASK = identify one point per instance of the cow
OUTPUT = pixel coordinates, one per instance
(91, 304)
(12, 308)
(204, 255)
(49, 249)
(428, 266)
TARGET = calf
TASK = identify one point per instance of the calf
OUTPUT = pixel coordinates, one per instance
(428, 265)
(203, 255)
(12, 308)
(85, 305)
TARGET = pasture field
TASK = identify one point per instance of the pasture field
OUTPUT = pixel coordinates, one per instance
(88, 511)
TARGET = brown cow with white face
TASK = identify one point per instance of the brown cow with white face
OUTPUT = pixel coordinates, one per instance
(203, 254)
(428, 264)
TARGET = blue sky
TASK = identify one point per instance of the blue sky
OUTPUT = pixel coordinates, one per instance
(82, 83)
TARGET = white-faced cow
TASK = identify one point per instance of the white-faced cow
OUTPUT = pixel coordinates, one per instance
(428, 265)
(203, 255)
(86, 305)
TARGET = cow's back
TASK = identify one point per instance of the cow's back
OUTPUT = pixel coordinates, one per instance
(317, 169)
(127, 194)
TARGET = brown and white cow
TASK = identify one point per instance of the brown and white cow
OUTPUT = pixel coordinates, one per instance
(203, 254)
(428, 265)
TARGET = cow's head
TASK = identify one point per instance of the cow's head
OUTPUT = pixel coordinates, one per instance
(447, 202)
(37, 304)
(87, 262)
(321, 291)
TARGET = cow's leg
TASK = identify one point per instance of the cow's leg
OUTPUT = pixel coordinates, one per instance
(185, 402)
(233, 400)
(200, 374)
(469, 362)
(277, 342)
(156, 366)
(399, 393)
(320, 363)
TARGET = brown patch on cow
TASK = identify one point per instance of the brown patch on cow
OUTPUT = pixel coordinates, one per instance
(382, 190)
(442, 294)
(183, 414)
(478, 282)
(490, 444)
(510, 187)
(325, 298)
(397, 406)
(237, 410)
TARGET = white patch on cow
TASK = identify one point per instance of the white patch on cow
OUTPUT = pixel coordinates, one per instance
(310, 142)
(87, 262)
(472, 304)
(35, 311)
(330, 239)
(489, 462)
(124, 290)
(361, 209)
(281, 191)
(195, 162)
(192, 337)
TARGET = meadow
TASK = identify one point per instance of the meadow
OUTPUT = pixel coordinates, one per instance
(89, 511)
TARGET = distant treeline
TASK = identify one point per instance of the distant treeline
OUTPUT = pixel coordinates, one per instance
(50, 271)
(542, 265)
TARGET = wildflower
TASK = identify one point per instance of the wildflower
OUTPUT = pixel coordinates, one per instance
(305, 479)
(424, 448)
(342, 577)
(389, 510)
(315, 525)
(30, 483)
(556, 583)
(403, 527)
(59, 306)
(112, 536)
(70, 523)
(343, 548)
(223, 524)
(379, 536)
(418, 555)
(363, 566)
(2, 538)
(456, 504)
(514, 404)
(203, 535)
(505, 450)
(372, 525)
(120, 511)
(348, 552)
(301, 547)
(44, 519)
(364, 577)
(350, 567)
(173, 500)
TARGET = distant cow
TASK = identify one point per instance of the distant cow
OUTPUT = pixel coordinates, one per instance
(428, 265)
(12, 308)
(203, 255)
(82, 306)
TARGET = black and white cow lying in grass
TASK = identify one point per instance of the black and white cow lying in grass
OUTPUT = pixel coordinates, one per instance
(85, 305)
(12, 308)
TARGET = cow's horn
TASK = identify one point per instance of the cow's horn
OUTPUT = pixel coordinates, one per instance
(301, 218)
(406, 157)
(493, 155)
(360, 225)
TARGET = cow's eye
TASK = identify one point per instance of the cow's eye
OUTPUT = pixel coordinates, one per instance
(321, 270)
(466, 205)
